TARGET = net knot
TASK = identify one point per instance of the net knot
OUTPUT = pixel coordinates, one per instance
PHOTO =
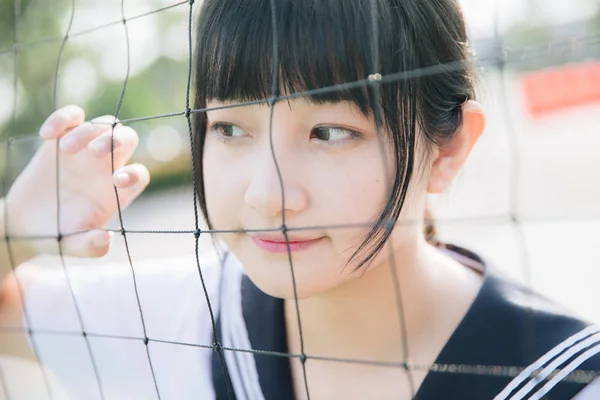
(191, 2)
(217, 347)
(124, 21)
(84, 333)
(197, 233)
(284, 229)
(123, 231)
(303, 358)
(188, 112)
(59, 237)
(375, 77)
(146, 340)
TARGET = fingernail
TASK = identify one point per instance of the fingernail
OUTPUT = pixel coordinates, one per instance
(100, 147)
(46, 131)
(102, 240)
(68, 143)
(75, 114)
(121, 178)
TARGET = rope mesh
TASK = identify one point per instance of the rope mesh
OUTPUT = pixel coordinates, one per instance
(498, 56)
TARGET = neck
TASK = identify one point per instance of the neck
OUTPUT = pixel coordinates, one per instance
(390, 313)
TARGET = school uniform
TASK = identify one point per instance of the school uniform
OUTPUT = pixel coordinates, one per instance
(511, 344)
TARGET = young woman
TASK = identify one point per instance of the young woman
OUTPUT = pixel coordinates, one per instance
(328, 282)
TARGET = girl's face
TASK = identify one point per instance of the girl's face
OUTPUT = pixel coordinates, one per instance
(333, 174)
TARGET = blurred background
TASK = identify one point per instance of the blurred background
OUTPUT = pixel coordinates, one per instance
(528, 200)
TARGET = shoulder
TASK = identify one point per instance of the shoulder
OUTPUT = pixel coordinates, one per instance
(117, 290)
(516, 343)
(119, 307)
(558, 352)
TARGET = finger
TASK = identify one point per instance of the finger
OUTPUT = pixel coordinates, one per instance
(90, 244)
(77, 139)
(123, 141)
(61, 120)
(131, 181)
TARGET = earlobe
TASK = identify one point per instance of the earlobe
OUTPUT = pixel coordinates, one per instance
(449, 159)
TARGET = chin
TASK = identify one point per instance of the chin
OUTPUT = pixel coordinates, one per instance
(275, 279)
(315, 272)
(277, 284)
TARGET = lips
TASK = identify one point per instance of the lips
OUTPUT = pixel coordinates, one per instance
(277, 244)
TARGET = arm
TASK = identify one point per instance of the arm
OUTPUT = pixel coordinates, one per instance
(19, 251)
(12, 342)
(12, 254)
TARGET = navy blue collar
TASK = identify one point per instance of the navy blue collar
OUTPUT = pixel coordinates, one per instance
(265, 322)
(507, 325)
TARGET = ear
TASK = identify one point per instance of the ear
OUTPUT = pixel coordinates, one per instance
(450, 158)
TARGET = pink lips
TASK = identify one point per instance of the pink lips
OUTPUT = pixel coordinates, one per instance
(280, 246)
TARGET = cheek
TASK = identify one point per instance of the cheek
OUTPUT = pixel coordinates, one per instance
(350, 192)
(222, 188)
(360, 193)
(352, 189)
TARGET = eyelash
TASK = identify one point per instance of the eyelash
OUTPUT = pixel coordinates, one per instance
(352, 133)
(215, 127)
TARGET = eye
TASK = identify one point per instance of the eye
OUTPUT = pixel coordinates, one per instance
(332, 134)
(227, 130)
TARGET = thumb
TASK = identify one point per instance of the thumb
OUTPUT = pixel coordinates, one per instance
(91, 244)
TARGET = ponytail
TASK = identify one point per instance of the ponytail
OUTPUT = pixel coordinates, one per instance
(430, 230)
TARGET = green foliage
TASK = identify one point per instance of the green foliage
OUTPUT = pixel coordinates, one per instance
(31, 66)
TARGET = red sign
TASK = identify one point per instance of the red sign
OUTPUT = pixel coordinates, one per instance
(561, 88)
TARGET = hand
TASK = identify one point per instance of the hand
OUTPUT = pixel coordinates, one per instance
(85, 190)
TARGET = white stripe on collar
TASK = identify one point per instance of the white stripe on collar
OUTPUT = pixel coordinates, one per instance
(243, 374)
(566, 371)
(539, 363)
(564, 357)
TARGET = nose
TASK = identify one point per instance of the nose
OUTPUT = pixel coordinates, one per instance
(268, 193)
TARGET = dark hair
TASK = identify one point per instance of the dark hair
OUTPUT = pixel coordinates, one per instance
(327, 42)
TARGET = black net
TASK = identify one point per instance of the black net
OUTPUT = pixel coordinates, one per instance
(493, 55)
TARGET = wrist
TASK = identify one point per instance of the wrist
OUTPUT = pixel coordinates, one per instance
(17, 249)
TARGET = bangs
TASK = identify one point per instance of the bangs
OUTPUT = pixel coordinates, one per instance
(235, 50)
